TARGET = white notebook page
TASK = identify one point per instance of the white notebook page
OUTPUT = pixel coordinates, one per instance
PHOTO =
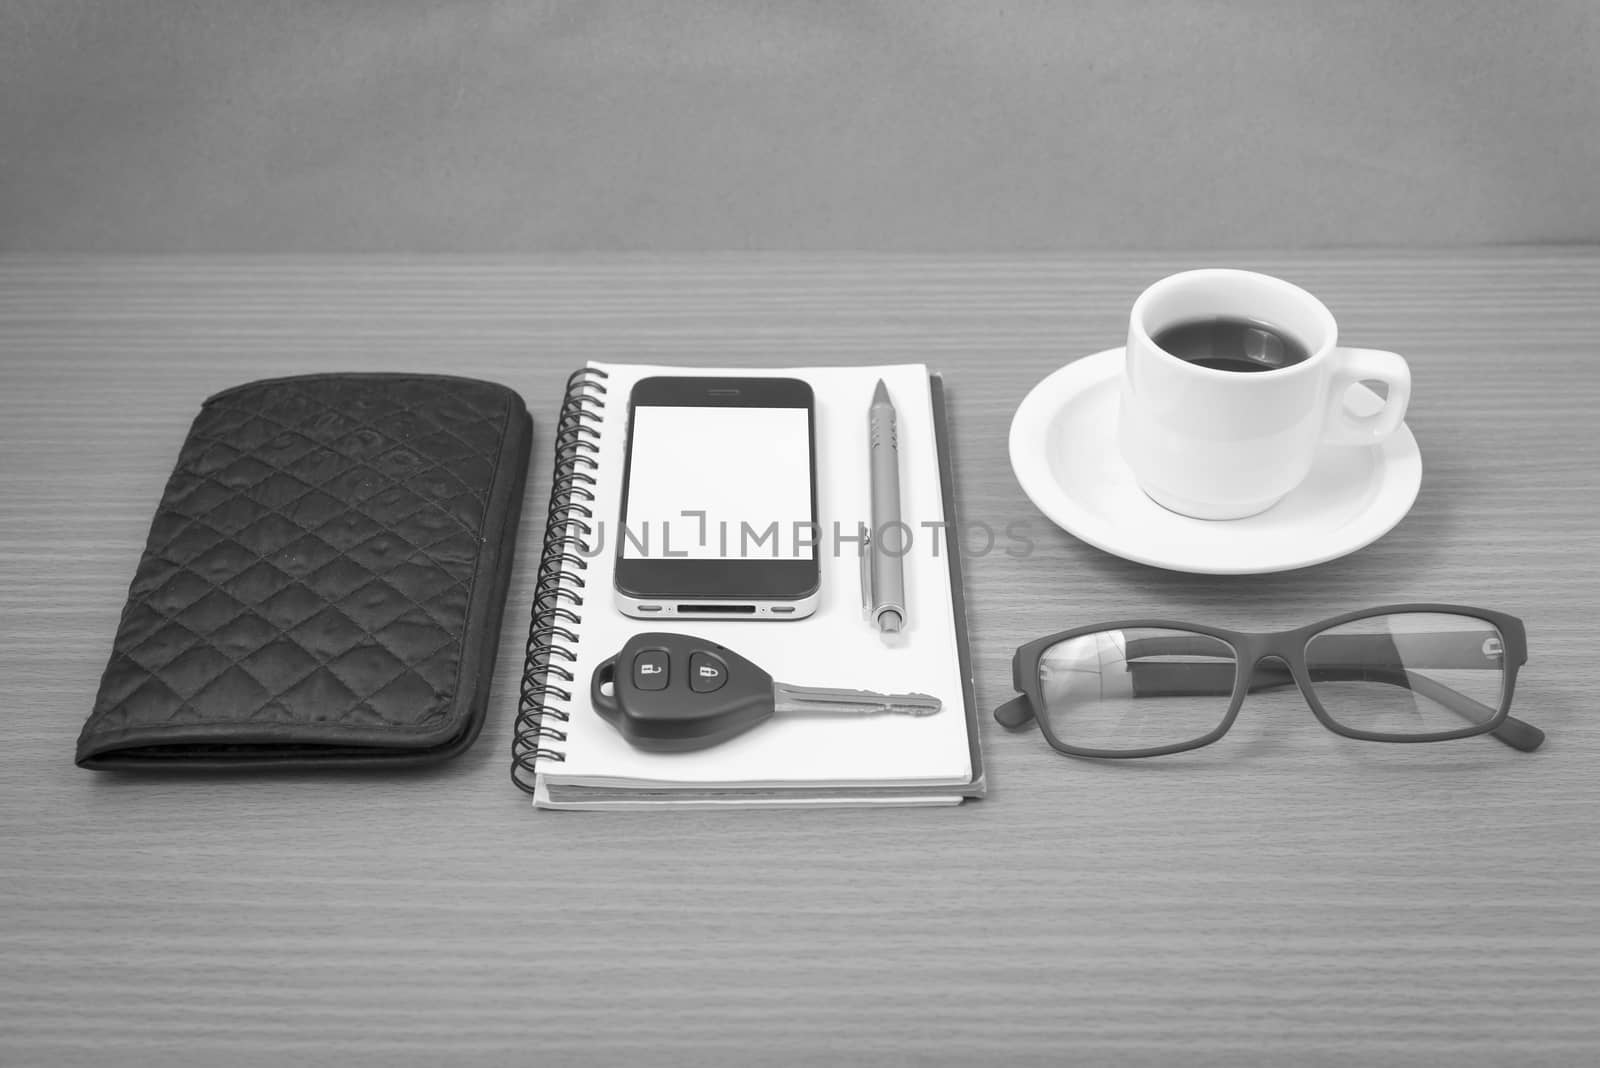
(834, 647)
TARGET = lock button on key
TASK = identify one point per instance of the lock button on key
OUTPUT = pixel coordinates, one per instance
(706, 673)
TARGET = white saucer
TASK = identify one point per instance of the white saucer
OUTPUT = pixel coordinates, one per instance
(1064, 452)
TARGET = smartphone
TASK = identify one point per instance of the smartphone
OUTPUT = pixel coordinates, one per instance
(719, 500)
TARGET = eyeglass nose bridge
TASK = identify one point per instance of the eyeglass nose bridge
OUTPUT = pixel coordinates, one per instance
(1273, 664)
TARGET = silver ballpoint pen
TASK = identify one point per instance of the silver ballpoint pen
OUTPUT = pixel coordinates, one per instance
(883, 579)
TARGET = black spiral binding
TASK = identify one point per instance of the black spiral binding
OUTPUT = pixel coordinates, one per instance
(559, 591)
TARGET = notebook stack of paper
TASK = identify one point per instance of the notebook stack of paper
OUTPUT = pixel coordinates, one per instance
(569, 757)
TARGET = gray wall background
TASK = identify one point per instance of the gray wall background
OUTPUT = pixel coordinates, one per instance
(500, 125)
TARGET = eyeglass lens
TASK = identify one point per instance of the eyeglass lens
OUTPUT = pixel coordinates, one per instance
(1136, 688)
(1409, 674)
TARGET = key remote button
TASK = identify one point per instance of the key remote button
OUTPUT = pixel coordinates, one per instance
(706, 673)
(650, 670)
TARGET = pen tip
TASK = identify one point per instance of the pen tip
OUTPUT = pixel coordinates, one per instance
(881, 394)
(889, 621)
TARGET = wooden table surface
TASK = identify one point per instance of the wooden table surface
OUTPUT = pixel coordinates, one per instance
(1285, 896)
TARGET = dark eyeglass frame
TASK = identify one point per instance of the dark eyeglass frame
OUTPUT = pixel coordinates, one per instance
(1289, 647)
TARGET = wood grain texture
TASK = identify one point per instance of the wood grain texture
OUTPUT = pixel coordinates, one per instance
(1284, 896)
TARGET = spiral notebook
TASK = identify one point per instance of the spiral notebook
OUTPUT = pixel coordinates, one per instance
(568, 757)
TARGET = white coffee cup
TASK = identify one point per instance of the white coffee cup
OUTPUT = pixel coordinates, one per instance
(1218, 444)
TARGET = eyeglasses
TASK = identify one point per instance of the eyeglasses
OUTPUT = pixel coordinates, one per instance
(1401, 673)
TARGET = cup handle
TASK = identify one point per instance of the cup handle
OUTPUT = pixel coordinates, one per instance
(1366, 365)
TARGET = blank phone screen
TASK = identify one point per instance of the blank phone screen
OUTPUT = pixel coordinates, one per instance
(712, 483)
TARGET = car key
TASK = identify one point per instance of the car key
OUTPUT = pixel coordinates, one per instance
(673, 693)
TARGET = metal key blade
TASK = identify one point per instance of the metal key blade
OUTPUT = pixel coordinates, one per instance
(822, 700)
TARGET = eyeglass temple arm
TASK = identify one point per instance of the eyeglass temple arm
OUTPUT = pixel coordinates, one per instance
(1340, 658)
(1017, 712)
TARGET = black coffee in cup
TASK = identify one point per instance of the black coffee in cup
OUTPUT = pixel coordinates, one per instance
(1232, 344)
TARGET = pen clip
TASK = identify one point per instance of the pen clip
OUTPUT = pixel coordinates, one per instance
(866, 571)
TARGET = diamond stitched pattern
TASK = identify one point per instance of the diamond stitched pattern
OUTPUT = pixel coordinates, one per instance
(313, 558)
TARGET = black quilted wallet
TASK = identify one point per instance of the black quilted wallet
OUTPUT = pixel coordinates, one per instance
(324, 578)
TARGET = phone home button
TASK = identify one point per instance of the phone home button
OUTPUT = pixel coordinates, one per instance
(650, 670)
